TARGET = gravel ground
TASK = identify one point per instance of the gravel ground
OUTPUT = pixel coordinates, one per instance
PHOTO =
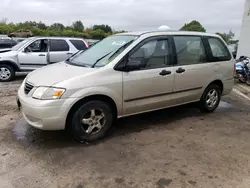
(176, 148)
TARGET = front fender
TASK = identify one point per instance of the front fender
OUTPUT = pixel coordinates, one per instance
(115, 95)
(9, 62)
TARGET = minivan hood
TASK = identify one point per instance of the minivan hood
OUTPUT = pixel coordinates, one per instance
(58, 72)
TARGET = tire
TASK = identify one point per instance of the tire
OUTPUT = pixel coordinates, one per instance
(7, 73)
(248, 82)
(206, 106)
(242, 80)
(81, 120)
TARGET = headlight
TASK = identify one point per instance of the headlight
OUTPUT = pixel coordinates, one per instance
(48, 93)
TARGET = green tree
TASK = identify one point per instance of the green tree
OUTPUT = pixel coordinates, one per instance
(97, 34)
(57, 27)
(105, 28)
(78, 26)
(41, 25)
(193, 26)
(227, 37)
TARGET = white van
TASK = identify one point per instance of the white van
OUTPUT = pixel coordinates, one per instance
(127, 74)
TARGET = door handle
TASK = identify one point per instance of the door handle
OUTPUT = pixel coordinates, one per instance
(69, 53)
(41, 55)
(180, 70)
(164, 72)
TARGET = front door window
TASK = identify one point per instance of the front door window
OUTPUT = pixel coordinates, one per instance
(151, 55)
(38, 46)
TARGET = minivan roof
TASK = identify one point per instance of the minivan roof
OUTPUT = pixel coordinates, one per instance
(39, 37)
(169, 32)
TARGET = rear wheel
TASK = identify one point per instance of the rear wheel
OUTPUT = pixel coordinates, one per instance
(7, 73)
(248, 82)
(91, 121)
(210, 98)
(242, 80)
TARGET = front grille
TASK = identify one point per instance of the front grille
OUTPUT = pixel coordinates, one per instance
(27, 88)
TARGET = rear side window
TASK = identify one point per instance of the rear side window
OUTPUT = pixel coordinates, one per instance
(58, 45)
(219, 50)
(79, 44)
(189, 50)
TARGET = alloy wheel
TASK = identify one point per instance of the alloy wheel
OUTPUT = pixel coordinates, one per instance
(212, 98)
(93, 121)
(5, 73)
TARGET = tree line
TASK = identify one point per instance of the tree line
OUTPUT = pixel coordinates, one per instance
(77, 29)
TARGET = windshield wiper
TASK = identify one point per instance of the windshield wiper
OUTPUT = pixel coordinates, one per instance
(101, 59)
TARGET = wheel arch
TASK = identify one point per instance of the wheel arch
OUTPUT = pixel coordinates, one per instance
(10, 63)
(97, 97)
(217, 82)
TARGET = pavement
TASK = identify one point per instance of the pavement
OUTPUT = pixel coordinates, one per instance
(174, 148)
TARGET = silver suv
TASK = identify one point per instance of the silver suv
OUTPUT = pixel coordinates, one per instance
(127, 74)
(36, 52)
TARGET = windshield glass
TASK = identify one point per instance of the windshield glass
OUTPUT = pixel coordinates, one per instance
(19, 45)
(100, 54)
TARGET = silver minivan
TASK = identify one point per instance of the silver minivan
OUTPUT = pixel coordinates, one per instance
(127, 74)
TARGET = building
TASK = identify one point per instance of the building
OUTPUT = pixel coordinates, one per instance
(244, 40)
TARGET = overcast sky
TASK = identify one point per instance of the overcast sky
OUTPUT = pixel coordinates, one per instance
(214, 15)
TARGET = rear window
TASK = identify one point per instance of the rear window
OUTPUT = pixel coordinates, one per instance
(79, 44)
(58, 45)
(7, 43)
(219, 50)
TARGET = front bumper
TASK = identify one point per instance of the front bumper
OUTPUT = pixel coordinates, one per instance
(44, 114)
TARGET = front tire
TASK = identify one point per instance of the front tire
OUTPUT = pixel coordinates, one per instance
(210, 98)
(91, 121)
(7, 73)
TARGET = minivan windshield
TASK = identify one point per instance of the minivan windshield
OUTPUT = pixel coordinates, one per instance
(19, 45)
(103, 52)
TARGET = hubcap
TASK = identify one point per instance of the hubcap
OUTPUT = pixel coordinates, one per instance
(212, 98)
(93, 121)
(4, 73)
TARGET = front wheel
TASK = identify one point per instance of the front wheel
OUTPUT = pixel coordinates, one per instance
(7, 73)
(210, 98)
(91, 121)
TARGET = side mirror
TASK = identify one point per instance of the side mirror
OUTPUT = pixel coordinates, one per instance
(133, 65)
(26, 50)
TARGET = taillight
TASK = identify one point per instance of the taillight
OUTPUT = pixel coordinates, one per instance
(87, 43)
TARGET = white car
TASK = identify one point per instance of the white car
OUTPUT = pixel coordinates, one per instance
(37, 52)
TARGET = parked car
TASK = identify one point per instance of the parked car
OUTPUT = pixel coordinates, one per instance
(18, 39)
(21, 33)
(36, 52)
(6, 42)
(127, 74)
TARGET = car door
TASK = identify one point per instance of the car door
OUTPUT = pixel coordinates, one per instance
(35, 54)
(59, 50)
(150, 85)
(193, 71)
